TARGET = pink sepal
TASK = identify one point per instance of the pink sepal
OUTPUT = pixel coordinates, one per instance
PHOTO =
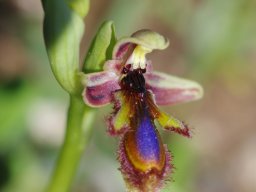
(169, 90)
(99, 87)
(113, 65)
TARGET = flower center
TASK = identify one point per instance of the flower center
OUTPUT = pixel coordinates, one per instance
(138, 57)
(134, 81)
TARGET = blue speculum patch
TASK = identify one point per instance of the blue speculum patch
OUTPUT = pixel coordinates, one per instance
(147, 139)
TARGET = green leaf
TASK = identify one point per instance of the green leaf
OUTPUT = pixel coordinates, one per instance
(63, 30)
(101, 48)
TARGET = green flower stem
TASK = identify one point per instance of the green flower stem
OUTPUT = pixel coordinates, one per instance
(63, 30)
(79, 126)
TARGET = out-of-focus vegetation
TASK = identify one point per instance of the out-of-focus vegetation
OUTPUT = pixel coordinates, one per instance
(212, 42)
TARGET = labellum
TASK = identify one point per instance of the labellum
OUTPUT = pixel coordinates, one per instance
(145, 161)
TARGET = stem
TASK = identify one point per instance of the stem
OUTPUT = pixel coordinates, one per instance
(79, 126)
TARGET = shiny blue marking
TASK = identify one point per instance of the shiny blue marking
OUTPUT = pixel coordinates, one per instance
(147, 140)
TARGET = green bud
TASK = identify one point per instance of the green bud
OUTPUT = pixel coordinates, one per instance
(63, 30)
(101, 48)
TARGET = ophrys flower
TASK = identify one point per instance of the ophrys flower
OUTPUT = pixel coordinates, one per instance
(129, 82)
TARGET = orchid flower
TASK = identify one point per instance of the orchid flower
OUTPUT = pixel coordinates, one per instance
(130, 84)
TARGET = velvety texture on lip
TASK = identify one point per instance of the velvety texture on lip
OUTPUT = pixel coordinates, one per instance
(147, 140)
(144, 148)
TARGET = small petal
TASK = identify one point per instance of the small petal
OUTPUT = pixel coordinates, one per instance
(113, 65)
(99, 87)
(118, 122)
(149, 66)
(166, 121)
(122, 49)
(170, 90)
(172, 124)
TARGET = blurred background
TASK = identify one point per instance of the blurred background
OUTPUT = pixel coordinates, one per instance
(212, 42)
